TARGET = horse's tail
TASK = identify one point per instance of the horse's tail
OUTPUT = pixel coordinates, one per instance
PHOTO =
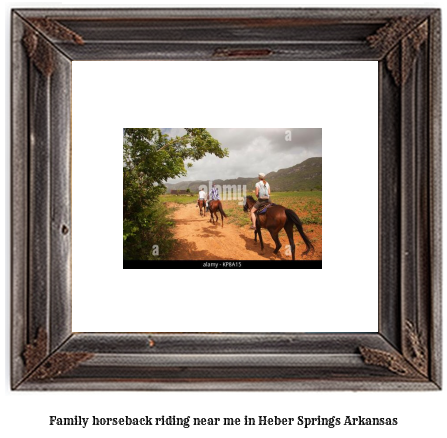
(221, 210)
(291, 215)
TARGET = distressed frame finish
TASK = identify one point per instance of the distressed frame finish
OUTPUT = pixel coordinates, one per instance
(405, 354)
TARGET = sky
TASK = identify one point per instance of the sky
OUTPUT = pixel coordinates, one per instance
(253, 151)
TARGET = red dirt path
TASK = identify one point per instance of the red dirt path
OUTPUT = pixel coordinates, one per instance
(198, 239)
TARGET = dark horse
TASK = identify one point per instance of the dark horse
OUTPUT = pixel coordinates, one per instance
(275, 219)
(202, 205)
(214, 207)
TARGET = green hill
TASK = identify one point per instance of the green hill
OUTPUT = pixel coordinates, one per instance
(304, 176)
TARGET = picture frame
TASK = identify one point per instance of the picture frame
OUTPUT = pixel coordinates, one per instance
(405, 353)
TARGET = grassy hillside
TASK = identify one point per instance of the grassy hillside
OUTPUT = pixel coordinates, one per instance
(301, 177)
(304, 176)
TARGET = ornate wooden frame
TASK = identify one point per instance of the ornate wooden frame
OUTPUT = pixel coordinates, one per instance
(405, 354)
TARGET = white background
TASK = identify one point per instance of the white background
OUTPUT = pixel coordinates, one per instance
(419, 414)
(294, 94)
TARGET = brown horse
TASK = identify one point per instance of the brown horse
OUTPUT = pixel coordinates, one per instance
(202, 205)
(275, 219)
(214, 207)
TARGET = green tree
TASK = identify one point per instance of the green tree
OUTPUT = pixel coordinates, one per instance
(149, 159)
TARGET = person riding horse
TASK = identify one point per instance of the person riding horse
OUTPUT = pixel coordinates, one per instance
(201, 202)
(263, 195)
(215, 204)
(274, 220)
(214, 194)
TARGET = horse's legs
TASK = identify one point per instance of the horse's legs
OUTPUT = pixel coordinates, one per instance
(258, 230)
(260, 239)
(289, 230)
(275, 237)
(221, 215)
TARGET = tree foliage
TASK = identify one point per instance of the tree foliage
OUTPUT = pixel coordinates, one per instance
(149, 159)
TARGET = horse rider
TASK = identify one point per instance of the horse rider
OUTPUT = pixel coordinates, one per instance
(263, 195)
(214, 194)
(202, 197)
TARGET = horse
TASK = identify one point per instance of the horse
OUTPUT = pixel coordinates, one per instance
(275, 219)
(214, 207)
(202, 205)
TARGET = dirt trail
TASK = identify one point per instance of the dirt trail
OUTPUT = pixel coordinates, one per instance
(199, 239)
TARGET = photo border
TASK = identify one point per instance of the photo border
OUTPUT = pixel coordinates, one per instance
(405, 353)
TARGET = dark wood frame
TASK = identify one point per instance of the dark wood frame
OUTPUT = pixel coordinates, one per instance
(405, 354)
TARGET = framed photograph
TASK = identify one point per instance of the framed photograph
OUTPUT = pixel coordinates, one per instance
(206, 325)
(206, 191)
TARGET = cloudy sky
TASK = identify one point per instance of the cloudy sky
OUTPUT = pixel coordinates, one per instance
(253, 150)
